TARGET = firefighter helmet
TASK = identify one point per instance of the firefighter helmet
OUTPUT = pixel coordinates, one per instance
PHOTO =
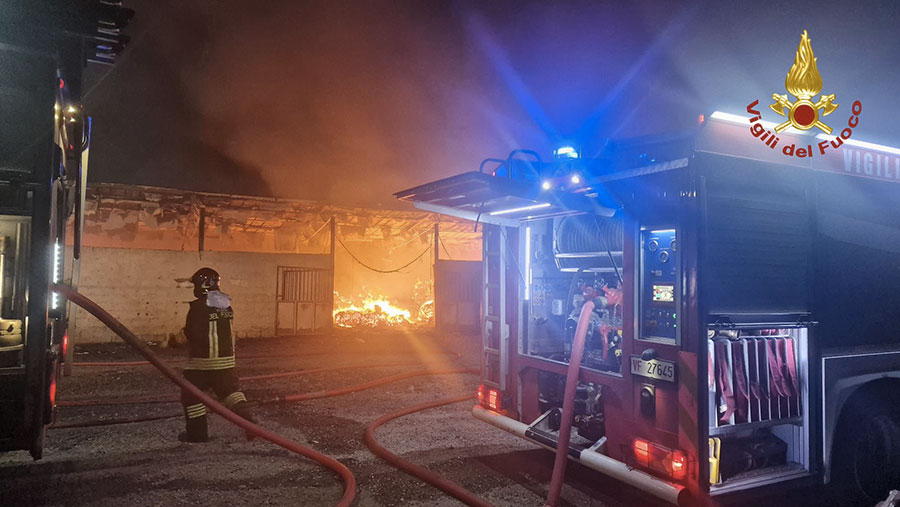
(205, 280)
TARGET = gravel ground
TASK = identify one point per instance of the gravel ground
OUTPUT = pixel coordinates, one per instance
(144, 463)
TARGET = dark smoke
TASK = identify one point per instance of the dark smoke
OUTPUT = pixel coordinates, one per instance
(351, 101)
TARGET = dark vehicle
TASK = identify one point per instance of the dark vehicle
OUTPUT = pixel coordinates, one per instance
(746, 333)
(44, 145)
(37, 192)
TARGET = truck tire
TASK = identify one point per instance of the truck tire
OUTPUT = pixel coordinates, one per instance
(37, 443)
(867, 453)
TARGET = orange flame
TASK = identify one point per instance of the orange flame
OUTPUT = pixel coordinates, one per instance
(375, 310)
(803, 80)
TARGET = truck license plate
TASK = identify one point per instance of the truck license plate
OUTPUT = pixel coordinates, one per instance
(653, 368)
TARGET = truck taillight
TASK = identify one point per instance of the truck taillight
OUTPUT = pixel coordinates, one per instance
(671, 462)
(678, 463)
(642, 452)
(65, 345)
(490, 398)
(52, 390)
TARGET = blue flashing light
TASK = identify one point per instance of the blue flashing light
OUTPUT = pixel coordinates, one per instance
(566, 151)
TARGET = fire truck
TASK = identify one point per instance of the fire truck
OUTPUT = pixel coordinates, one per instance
(44, 146)
(744, 329)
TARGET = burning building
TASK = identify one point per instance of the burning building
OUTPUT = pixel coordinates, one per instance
(292, 266)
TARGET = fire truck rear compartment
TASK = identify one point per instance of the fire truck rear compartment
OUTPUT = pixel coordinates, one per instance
(765, 437)
(758, 407)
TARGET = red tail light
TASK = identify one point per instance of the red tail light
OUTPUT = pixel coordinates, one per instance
(490, 398)
(642, 452)
(52, 392)
(672, 463)
(678, 464)
(494, 400)
(65, 345)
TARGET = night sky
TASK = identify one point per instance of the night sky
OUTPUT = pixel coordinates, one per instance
(348, 102)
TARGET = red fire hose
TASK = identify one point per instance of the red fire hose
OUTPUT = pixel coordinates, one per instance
(138, 400)
(366, 385)
(251, 356)
(110, 422)
(121, 363)
(451, 488)
(297, 397)
(568, 412)
(345, 474)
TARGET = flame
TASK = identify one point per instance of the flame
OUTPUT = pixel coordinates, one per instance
(804, 80)
(375, 310)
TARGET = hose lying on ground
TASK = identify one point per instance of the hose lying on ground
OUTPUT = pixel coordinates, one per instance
(345, 474)
(283, 399)
(110, 422)
(175, 397)
(139, 400)
(122, 363)
(366, 385)
(451, 488)
(249, 356)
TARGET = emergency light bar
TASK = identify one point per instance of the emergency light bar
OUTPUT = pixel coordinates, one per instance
(566, 151)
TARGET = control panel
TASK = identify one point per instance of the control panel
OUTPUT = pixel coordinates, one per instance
(659, 284)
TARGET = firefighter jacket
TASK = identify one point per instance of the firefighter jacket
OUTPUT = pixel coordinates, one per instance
(209, 336)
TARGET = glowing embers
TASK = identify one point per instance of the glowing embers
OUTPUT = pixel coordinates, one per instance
(374, 310)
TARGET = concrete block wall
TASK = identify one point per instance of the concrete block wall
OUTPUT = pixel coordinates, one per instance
(149, 291)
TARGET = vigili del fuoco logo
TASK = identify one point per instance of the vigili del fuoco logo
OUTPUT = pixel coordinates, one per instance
(803, 81)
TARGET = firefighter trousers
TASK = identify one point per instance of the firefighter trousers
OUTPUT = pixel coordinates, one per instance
(225, 386)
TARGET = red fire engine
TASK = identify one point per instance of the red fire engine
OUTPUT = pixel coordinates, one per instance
(745, 322)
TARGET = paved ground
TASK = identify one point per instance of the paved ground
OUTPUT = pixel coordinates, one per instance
(144, 464)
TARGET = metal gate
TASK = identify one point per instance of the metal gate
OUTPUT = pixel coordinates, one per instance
(457, 294)
(304, 300)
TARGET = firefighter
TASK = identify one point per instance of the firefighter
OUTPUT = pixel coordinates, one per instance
(211, 354)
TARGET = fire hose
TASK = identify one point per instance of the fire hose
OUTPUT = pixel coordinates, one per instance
(451, 488)
(345, 474)
(181, 360)
(140, 400)
(342, 471)
(279, 399)
(568, 412)
(366, 385)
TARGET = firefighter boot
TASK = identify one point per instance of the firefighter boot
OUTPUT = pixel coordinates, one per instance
(243, 409)
(195, 424)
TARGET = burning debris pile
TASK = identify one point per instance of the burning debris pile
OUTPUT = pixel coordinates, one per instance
(374, 310)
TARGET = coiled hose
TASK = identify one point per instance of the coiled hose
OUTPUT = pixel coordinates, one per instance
(117, 327)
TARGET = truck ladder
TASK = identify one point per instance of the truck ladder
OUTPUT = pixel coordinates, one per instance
(494, 328)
